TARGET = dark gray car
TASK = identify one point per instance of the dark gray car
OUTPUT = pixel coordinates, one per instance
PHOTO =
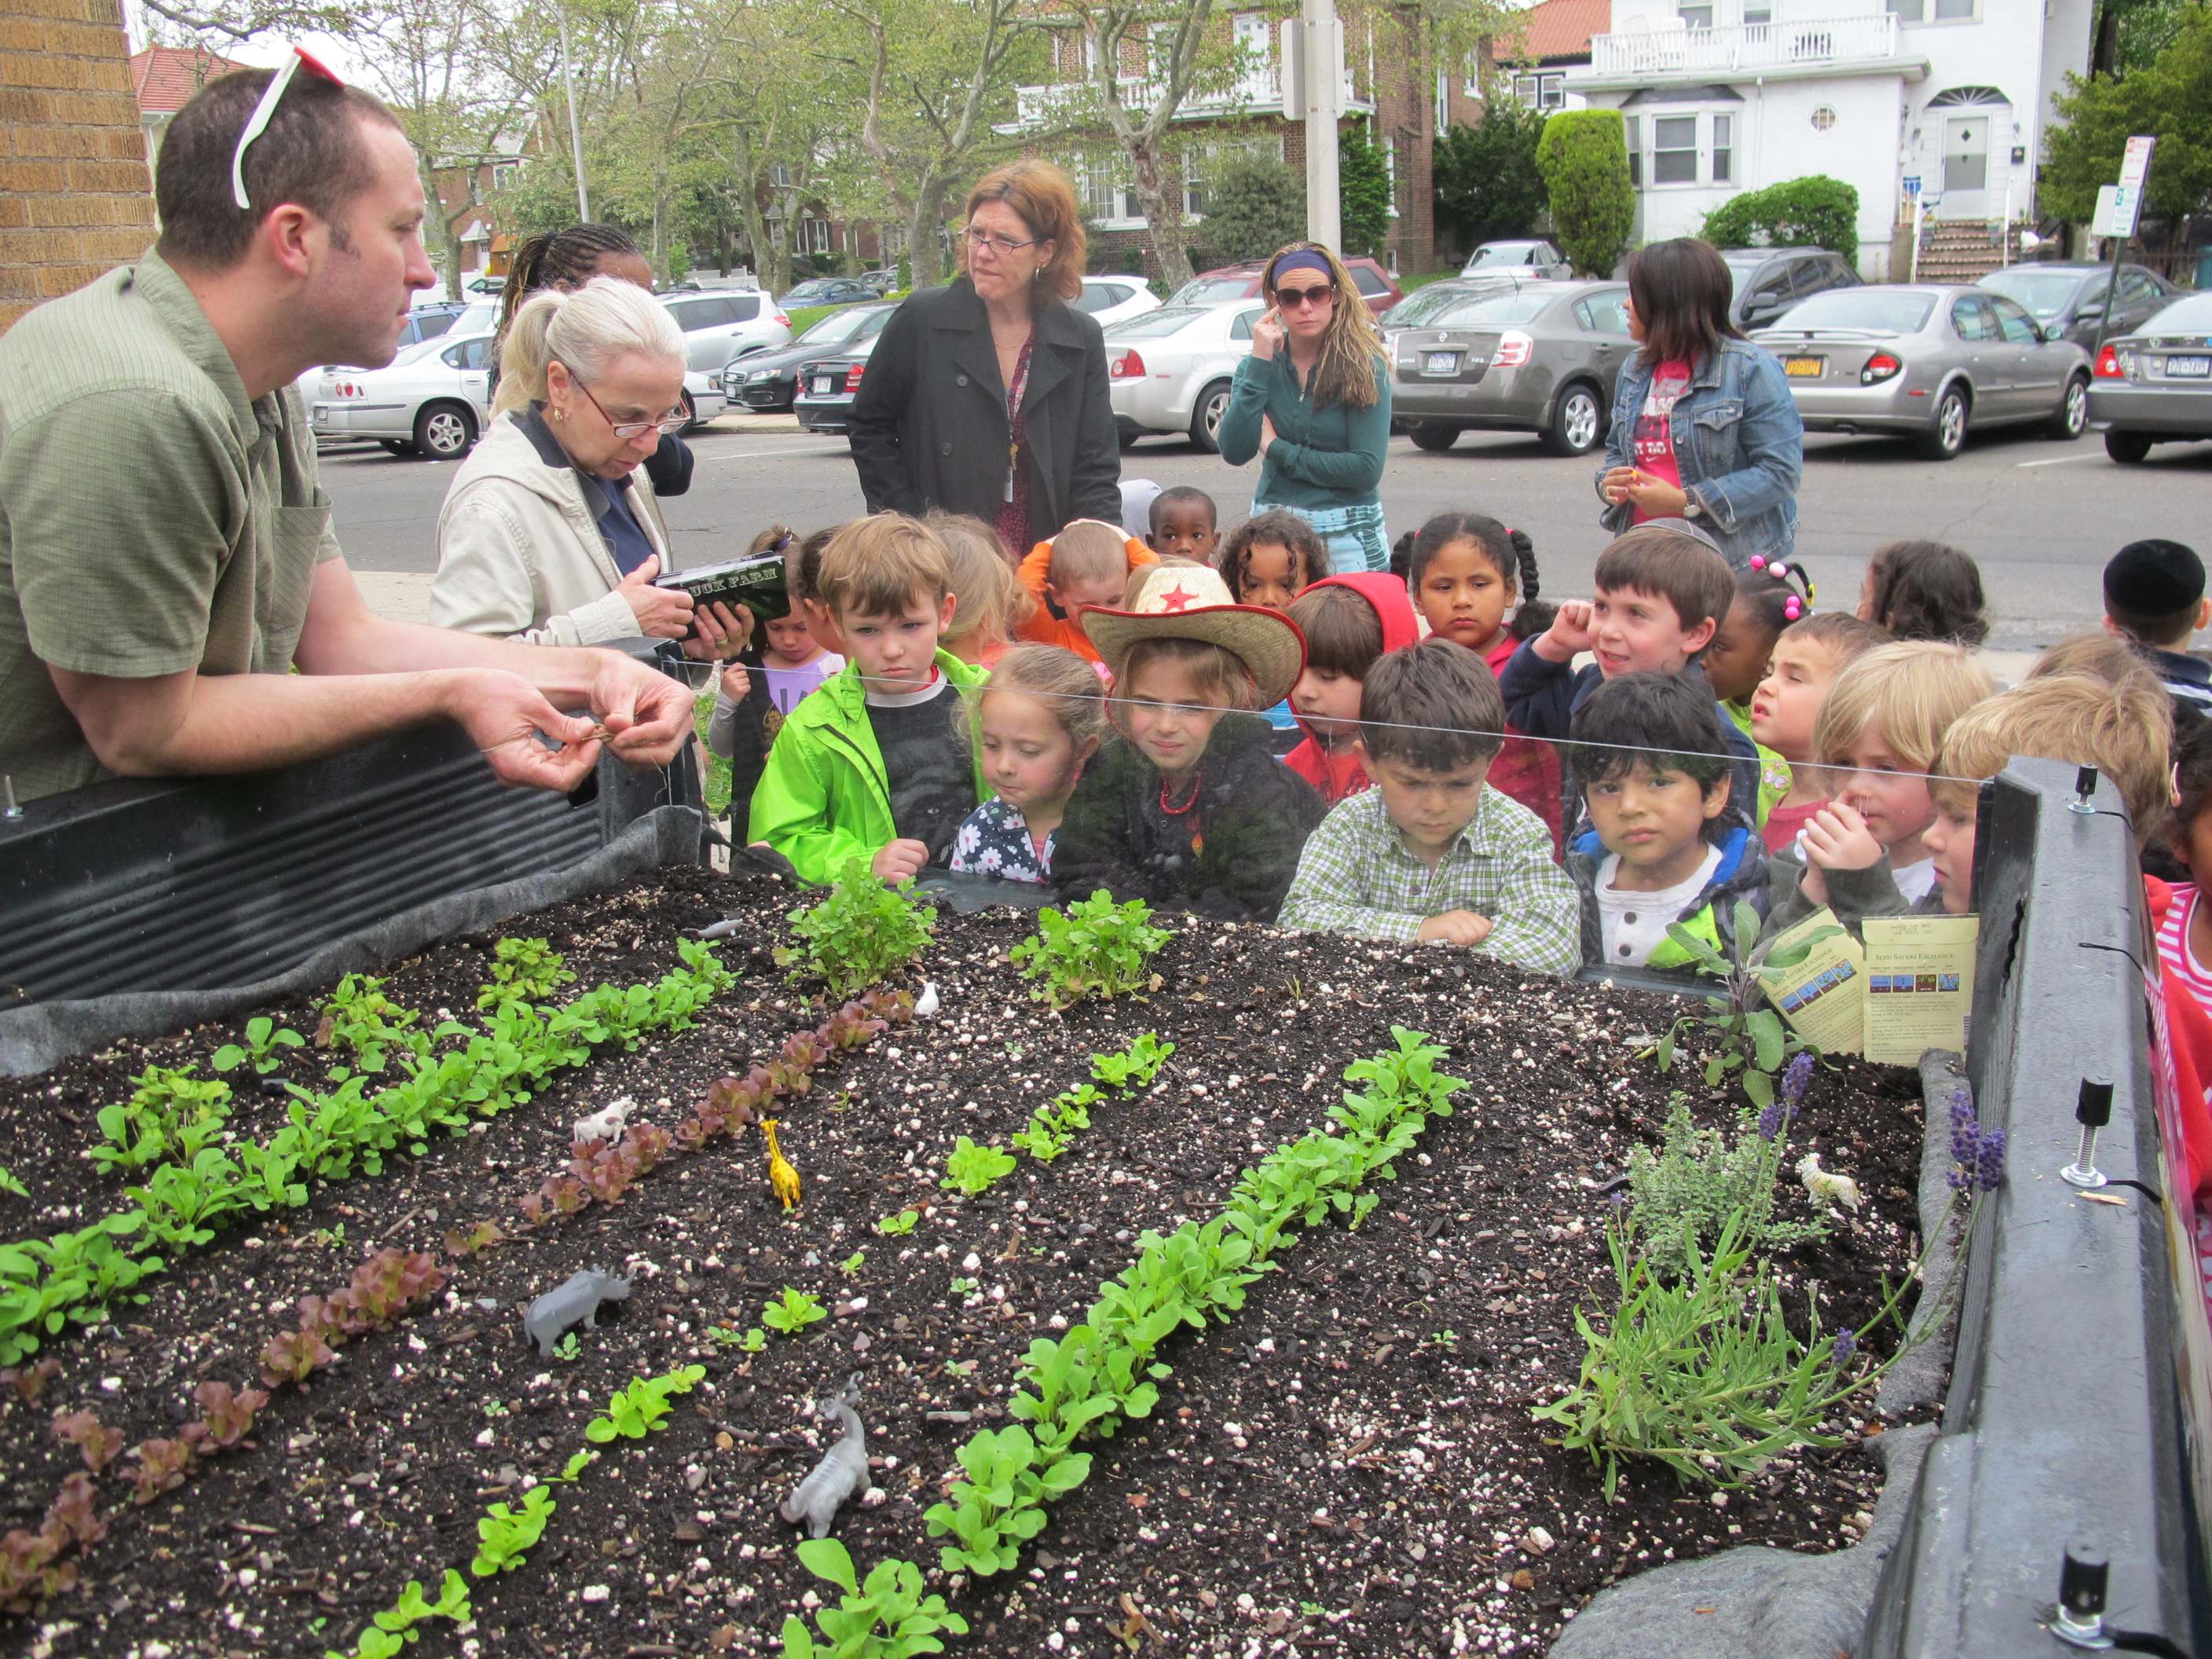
(2072, 295)
(2154, 386)
(1536, 357)
(1771, 280)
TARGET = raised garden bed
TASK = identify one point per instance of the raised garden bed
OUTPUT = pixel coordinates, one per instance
(1346, 1463)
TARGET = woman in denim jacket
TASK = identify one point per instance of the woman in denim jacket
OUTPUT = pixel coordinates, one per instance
(1703, 426)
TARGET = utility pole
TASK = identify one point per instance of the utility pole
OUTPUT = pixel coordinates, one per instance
(575, 135)
(1313, 88)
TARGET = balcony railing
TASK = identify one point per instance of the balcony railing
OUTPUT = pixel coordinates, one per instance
(1261, 89)
(1871, 37)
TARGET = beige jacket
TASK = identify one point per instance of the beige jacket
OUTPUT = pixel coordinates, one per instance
(520, 553)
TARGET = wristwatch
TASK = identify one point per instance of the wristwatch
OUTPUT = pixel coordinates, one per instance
(1690, 507)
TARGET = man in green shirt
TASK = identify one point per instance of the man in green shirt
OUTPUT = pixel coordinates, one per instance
(166, 552)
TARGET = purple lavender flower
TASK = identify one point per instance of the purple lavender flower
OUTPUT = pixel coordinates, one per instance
(1770, 1120)
(1796, 1080)
(1842, 1346)
(1966, 1133)
(1989, 1162)
(1957, 1178)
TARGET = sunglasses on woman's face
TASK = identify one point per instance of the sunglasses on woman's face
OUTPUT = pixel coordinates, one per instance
(1298, 299)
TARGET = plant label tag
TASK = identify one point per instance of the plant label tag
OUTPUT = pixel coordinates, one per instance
(1920, 985)
(1823, 997)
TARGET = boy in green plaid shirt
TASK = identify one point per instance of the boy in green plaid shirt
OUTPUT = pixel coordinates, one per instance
(1432, 853)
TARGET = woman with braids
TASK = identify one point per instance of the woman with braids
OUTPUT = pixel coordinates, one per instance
(1313, 402)
(564, 260)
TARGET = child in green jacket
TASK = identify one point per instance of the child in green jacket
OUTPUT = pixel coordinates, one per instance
(870, 767)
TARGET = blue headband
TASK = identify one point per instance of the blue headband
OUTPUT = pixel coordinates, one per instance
(1300, 261)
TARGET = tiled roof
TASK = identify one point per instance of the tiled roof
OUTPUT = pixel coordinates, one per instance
(1558, 29)
(164, 77)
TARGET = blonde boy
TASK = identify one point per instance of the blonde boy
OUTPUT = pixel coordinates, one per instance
(1085, 568)
(868, 767)
(1882, 727)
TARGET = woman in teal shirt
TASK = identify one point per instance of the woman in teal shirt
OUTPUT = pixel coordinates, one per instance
(1313, 402)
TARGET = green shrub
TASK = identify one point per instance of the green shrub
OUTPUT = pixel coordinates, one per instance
(1362, 189)
(1817, 211)
(1488, 183)
(1583, 157)
(1254, 206)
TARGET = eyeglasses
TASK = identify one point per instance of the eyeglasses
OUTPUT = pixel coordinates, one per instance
(1297, 299)
(258, 123)
(675, 420)
(980, 240)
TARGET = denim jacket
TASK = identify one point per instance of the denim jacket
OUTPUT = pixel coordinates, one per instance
(1738, 442)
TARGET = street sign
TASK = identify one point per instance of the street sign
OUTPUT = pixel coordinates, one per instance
(2117, 206)
(2136, 163)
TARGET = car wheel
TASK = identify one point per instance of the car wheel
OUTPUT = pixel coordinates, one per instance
(690, 413)
(397, 445)
(1947, 433)
(2071, 418)
(1205, 417)
(445, 432)
(1576, 422)
(1434, 437)
(2129, 448)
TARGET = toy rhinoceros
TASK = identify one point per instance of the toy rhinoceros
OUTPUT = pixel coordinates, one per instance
(575, 1303)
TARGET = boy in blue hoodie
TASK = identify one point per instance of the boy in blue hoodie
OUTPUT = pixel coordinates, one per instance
(1648, 757)
(1660, 592)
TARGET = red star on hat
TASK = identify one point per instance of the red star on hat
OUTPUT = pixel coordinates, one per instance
(1176, 599)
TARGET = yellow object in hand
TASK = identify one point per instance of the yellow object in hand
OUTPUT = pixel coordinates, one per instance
(783, 1179)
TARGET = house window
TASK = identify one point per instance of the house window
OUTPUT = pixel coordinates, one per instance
(1390, 168)
(1823, 118)
(1755, 15)
(1634, 124)
(1696, 16)
(817, 236)
(503, 174)
(1939, 11)
(1724, 149)
(1470, 84)
(1675, 149)
(1541, 92)
(780, 176)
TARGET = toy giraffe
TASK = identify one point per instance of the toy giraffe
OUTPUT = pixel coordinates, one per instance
(783, 1179)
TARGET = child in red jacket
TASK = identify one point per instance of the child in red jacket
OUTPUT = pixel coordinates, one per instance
(1349, 622)
(1466, 572)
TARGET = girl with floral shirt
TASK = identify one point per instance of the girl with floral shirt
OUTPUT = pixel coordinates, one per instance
(1038, 720)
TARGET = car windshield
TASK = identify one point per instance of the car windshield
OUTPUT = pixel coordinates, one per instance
(1493, 310)
(1892, 311)
(420, 349)
(1424, 303)
(477, 319)
(808, 291)
(1154, 324)
(1212, 290)
(2044, 293)
(833, 329)
(2189, 315)
(1500, 253)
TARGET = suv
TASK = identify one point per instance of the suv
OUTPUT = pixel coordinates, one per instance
(427, 322)
(1771, 280)
(1534, 258)
(721, 325)
(1218, 287)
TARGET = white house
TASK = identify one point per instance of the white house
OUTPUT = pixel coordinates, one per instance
(1947, 97)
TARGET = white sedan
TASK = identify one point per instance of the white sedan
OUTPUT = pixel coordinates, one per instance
(434, 399)
(1113, 300)
(1169, 368)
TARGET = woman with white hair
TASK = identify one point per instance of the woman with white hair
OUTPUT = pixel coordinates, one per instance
(550, 533)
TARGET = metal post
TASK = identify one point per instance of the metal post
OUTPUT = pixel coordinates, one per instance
(575, 134)
(2142, 178)
(1323, 60)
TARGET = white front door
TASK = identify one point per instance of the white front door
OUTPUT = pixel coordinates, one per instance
(1965, 167)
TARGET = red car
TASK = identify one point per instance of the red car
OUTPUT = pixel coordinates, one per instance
(1212, 287)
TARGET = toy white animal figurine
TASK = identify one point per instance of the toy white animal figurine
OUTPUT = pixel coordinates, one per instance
(609, 1124)
(837, 1479)
(1827, 1189)
(925, 1004)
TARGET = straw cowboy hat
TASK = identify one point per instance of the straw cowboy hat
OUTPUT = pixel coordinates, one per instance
(1191, 602)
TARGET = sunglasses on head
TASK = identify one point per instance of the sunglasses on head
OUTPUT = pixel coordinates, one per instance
(258, 123)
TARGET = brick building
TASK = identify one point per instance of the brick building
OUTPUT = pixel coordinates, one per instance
(163, 80)
(75, 196)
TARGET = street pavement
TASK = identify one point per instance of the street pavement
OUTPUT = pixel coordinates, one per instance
(2041, 517)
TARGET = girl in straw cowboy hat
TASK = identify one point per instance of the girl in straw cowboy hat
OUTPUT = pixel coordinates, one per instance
(1186, 805)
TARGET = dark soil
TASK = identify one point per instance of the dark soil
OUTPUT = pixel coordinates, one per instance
(1349, 1466)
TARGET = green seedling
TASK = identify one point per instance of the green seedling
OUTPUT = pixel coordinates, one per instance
(1093, 949)
(962, 1287)
(10, 1185)
(642, 1407)
(524, 970)
(1001, 1505)
(1753, 1039)
(505, 1535)
(367, 1025)
(975, 1170)
(886, 1617)
(263, 1038)
(892, 1226)
(1135, 1067)
(851, 1264)
(864, 934)
(329, 1238)
(568, 1347)
(170, 1115)
(793, 1311)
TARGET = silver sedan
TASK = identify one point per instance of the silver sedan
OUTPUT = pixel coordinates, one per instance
(1529, 357)
(2154, 386)
(1928, 361)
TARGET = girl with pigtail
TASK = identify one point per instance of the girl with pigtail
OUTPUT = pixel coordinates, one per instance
(1474, 580)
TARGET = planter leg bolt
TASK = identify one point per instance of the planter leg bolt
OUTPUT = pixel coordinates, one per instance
(2092, 1111)
(8, 809)
(2085, 786)
(2079, 1618)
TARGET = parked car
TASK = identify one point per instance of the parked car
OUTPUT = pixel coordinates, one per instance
(827, 385)
(1535, 356)
(2154, 386)
(827, 291)
(769, 379)
(1928, 361)
(1771, 280)
(702, 397)
(880, 283)
(2072, 295)
(427, 322)
(719, 327)
(1113, 299)
(1228, 282)
(1522, 258)
(1169, 370)
(430, 401)
(1426, 302)
(491, 285)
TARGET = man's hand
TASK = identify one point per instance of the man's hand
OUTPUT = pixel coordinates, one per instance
(722, 634)
(900, 861)
(505, 715)
(663, 613)
(1455, 927)
(1267, 335)
(648, 716)
(1837, 838)
(1570, 633)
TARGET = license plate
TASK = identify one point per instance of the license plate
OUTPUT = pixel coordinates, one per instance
(1440, 362)
(1803, 369)
(2188, 368)
(824, 384)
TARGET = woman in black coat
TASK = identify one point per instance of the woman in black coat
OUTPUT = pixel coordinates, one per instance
(989, 397)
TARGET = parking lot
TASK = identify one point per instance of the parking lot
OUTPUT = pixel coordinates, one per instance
(2042, 517)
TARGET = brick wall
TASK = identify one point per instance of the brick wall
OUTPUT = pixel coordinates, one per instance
(75, 195)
